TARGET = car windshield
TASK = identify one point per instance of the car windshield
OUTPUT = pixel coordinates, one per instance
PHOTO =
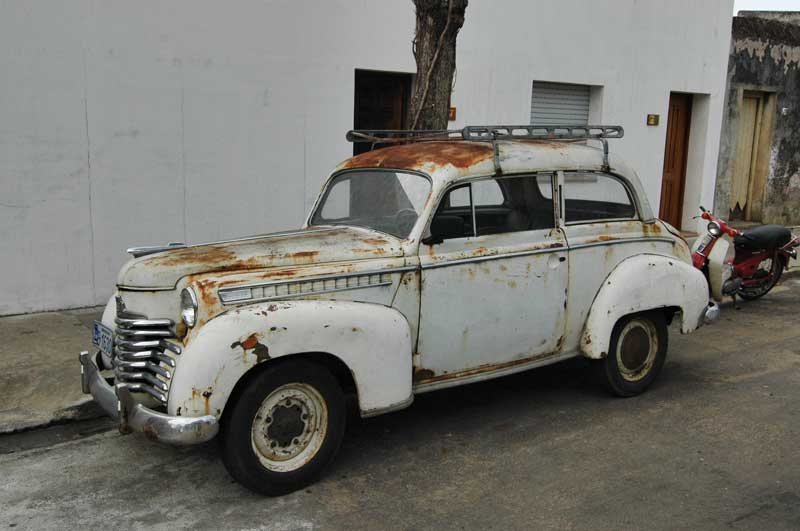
(386, 201)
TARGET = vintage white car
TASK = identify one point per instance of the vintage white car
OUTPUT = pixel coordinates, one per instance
(423, 265)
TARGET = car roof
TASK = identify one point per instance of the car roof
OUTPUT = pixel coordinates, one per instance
(450, 161)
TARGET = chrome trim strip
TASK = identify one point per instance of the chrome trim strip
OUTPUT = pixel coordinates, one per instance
(140, 288)
(622, 240)
(313, 279)
(494, 257)
(306, 293)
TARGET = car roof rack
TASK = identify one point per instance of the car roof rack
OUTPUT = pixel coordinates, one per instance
(492, 133)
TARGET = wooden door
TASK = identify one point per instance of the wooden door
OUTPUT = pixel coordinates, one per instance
(381, 99)
(673, 178)
(753, 142)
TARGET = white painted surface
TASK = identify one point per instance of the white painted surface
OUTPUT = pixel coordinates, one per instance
(126, 124)
(214, 361)
(640, 283)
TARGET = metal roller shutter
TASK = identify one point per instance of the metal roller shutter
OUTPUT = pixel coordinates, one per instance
(559, 104)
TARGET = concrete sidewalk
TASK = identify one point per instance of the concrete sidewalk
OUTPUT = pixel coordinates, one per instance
(39, 370)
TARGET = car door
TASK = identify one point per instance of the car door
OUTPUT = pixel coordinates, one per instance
(603, 228)
(494, 275)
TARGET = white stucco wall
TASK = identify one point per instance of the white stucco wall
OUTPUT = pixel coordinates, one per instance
(131, 123)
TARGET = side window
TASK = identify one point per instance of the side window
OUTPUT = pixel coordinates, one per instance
(590, 197)
(508, 204)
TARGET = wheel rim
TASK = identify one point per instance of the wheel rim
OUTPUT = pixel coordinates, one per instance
(637, 348)
(289, 427)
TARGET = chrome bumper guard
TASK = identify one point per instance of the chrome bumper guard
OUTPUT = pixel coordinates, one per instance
(120, 405)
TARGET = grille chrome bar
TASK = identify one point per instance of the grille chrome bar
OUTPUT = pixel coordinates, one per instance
(143, 353)
(144, 332)
(146, 344)
(143, 323)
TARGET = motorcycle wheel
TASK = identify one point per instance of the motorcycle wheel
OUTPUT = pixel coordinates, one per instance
(775, 265)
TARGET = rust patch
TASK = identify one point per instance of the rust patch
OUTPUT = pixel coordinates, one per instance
(460, 154)
(206, 397)
(423, 374)
(250, 342)
(150, 432)
(374, 241)
(260, 350)
(303, 255)
(651, 229)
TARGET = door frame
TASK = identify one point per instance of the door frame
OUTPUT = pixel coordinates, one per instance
(682, 184)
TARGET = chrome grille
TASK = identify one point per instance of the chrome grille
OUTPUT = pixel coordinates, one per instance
(144, 358)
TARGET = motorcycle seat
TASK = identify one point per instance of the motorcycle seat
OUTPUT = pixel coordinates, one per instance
(764, 237)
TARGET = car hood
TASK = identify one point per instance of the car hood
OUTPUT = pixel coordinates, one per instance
(283, 249)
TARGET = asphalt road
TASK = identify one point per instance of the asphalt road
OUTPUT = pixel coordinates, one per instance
(714, 444)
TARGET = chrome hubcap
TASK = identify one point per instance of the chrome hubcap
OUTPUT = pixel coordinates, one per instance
(636, 349)
(289, 427)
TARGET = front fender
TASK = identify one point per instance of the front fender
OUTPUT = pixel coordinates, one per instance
(374, 342)
(640, 283)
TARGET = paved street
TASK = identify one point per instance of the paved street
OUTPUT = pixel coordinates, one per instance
(714, 444)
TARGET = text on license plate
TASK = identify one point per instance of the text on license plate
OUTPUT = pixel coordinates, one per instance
(103, 338)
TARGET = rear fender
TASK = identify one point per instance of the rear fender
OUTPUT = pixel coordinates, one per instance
(641, 283)
(372, 340)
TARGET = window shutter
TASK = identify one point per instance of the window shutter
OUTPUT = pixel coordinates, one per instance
(559, 104)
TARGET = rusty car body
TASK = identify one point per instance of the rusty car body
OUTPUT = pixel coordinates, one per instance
(394, 307)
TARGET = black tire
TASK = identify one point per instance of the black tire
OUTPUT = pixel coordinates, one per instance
(240, 451)
(757, 293)
(645, 349)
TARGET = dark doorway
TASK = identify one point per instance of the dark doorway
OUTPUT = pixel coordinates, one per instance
(673, 179)
(381, 102)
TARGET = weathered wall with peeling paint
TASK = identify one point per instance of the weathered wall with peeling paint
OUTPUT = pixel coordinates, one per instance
(765, 56)
(127, 124)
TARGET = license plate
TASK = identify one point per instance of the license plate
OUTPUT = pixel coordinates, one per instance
(103, 338)
(704, 243)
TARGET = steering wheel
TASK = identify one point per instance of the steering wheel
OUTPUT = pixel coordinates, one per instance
(405, 219)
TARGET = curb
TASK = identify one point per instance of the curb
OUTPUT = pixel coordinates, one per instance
(86, 409)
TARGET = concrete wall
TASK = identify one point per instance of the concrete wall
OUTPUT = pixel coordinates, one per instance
(765, 57)
(141, 123)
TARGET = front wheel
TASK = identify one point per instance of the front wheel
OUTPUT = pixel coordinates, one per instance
(636, 355)
(285, 428)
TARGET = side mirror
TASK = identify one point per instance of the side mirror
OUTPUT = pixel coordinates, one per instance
(444, 227)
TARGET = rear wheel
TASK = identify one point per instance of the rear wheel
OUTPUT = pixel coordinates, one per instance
(285, 428)
(770, 271)
(636, 354)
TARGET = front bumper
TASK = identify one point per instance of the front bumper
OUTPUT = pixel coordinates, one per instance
(118, 402)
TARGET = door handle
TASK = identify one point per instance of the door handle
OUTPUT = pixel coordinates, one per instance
(562, 258)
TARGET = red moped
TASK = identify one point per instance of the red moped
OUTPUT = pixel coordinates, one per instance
(760, 256)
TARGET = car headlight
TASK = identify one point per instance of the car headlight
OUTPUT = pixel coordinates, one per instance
(188, 307)
(714, 229)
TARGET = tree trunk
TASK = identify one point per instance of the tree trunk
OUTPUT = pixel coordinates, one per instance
(438, 22)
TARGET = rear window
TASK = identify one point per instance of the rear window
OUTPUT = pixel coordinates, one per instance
(590, 197)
